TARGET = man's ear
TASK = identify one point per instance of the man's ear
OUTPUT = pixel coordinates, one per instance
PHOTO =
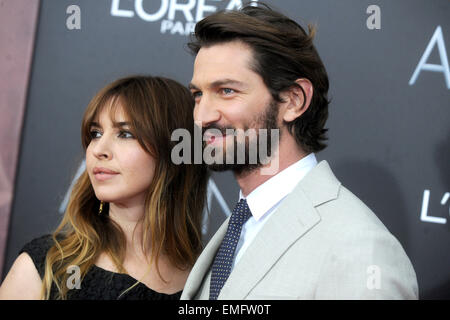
(297, 99)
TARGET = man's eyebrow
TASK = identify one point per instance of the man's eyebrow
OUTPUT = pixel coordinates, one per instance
(226, 82)
(192, 86)
(220, 83)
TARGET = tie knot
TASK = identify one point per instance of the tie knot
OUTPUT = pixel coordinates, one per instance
(241, 213)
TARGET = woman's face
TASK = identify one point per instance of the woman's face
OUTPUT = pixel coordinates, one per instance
(120, 170)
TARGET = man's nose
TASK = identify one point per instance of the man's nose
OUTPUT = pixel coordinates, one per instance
(206, 112)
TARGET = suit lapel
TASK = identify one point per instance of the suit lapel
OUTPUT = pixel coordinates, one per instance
(295, 216)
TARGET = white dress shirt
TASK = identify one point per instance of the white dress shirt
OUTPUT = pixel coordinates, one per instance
(265, 199)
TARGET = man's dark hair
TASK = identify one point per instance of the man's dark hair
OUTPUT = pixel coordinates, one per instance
(283, 53)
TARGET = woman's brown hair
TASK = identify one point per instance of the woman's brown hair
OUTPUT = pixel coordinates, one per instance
(155, 107)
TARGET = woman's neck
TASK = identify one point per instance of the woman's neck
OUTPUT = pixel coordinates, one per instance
(129, 218)
(137, 264)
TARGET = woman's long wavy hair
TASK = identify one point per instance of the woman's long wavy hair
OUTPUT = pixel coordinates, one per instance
(155, 107)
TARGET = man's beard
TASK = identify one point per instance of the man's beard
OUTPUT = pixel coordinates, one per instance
(266, 120)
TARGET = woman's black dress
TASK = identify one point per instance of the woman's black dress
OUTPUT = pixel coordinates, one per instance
(98, 283)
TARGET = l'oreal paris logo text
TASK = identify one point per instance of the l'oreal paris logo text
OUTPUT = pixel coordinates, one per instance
(176, 17)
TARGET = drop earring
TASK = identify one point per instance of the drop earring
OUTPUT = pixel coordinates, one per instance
(101, 208)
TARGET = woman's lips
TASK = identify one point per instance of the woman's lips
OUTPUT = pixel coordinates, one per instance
(103, 174)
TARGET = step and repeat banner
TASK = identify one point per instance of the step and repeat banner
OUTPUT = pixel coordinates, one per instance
(389, 133)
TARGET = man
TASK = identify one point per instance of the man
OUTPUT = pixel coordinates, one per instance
(295, 233)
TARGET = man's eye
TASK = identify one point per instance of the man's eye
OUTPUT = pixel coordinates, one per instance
(126, 135)
(95, 134)
(196, 94)
(228, 91)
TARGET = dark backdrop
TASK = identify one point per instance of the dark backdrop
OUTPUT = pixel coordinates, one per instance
(388, 139)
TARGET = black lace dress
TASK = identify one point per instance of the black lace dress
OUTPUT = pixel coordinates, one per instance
(98, 283)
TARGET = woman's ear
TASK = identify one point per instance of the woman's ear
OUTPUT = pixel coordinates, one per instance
(297, 99)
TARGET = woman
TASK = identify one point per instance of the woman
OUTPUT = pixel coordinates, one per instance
(132, 226)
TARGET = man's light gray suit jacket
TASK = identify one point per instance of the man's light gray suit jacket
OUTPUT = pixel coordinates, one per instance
(321, 243)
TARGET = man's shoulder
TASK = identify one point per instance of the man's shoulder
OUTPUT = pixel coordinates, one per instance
(349, 210)
(334, 202)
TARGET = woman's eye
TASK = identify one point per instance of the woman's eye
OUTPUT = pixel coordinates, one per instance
(95, 134)
(126, 135)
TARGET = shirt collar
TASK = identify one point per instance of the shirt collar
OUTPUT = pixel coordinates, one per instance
(271, 192)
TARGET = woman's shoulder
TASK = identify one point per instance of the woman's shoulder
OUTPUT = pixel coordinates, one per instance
(37, 249)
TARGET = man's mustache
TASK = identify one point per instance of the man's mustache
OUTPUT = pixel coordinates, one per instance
(222, 129)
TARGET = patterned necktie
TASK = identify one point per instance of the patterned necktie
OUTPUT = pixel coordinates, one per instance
(223, 261)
